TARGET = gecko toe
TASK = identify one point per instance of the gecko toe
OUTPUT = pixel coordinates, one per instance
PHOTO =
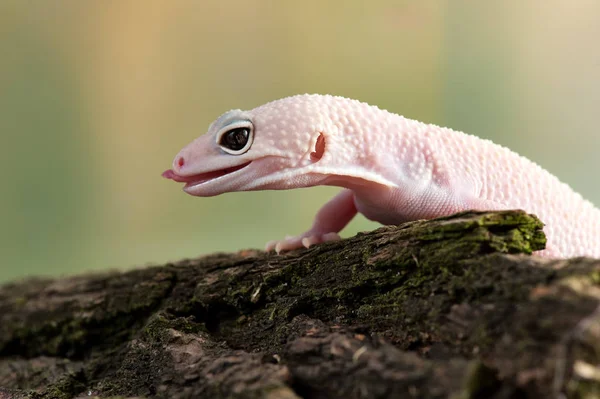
(306, 241)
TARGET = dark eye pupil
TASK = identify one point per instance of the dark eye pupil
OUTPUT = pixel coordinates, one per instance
(235, 139)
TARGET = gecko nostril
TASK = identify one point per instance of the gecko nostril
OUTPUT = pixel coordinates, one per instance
(180, 162)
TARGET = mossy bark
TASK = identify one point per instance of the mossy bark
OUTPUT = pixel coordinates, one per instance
(453, 307)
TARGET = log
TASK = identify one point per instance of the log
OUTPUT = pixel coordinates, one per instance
(455, 307)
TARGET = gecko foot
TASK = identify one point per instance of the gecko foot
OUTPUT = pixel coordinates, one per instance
(304, 240)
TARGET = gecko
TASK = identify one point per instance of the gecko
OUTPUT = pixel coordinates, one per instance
(390, 168)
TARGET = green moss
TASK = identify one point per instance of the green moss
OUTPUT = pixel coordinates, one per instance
(595, 276)
(480, 381)
(67, 387)
(583, 389)
(390, 290)
(72, 329)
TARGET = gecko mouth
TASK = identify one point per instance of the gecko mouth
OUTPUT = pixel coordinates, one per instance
(201, 178)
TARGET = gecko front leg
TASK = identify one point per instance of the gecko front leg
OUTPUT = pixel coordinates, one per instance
(329, 221)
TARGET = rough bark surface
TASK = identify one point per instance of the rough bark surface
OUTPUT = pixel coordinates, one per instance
(448, 308)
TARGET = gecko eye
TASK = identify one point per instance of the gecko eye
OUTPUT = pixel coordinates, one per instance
(237, 139)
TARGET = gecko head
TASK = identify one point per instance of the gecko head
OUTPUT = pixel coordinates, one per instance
(274, 146)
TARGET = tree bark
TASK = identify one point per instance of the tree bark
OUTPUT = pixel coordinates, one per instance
(448, 308)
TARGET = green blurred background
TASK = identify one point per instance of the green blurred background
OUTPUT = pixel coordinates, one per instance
(96, 97)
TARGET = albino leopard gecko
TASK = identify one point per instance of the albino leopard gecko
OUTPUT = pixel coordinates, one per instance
(392, 169)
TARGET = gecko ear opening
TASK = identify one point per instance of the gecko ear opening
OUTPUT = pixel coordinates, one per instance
(319, 149)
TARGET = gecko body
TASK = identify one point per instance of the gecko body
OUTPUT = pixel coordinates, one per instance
(392, 170)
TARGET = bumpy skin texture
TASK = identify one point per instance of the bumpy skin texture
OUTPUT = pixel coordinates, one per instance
(393, 170)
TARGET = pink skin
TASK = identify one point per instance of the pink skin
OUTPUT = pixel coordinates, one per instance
(393, 170)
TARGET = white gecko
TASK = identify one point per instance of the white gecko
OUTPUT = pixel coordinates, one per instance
(392, 169)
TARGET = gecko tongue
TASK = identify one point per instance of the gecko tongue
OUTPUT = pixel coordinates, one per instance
(201, 177)
(169, 174)
(194, 179)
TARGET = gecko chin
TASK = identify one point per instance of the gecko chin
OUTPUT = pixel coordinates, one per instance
(193, 183)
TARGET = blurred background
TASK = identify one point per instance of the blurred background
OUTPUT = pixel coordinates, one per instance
(97, 97)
